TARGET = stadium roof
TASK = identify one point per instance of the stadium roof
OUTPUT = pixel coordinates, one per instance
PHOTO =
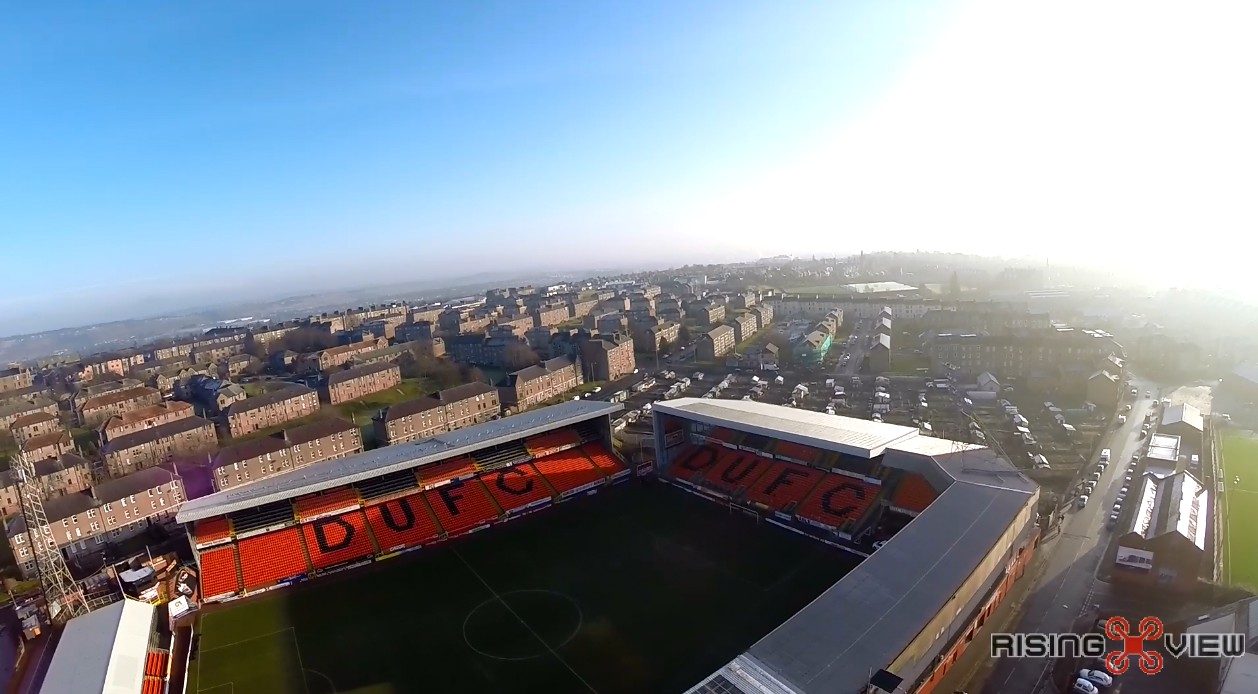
(1175, 503)
(102, 651)
(857, 437)
(382, 461)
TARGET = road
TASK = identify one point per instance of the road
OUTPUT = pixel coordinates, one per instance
(1068, 587)
(856, 349)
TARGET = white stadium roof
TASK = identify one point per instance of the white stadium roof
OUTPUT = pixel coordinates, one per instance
(382, 461)
(102, 651)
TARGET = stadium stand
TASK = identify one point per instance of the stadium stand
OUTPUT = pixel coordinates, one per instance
(838, 501)
(449, 471)
(913, 494)
(735, 470)
(462, 505)
(500, 457)
(517, 487)
(155, 664)
(726, 435)
(378, 489)
(598, 453)
(219, 575)
(153, 685)
(794, 452)
(266, 515)
(567, 471)
(694, 461)
(555, 441)
(783, 485)
(402, 523)
(212, 531)
(333, 540)
(267, 559)
(326, 504)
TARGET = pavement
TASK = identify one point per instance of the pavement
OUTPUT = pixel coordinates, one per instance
(1067, 588)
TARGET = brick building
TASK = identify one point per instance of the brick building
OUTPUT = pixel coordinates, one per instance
(360, 381)
(426, 417)
(50, 445)
(260, 338)
(270, 410)
(34, 424)
(12, 411)
(144, 418)
(143, 449)
(649, 338)
(744, 326)
(1007, 356)
(763, 314)
(237, 364)
(711, 314)
(549, 315)
(67, 474)
(608, 357)
(328, 359)
(715, 343)
(15, 378)
(84, 523)
(95, 411)
(537, 384)
(256, 459)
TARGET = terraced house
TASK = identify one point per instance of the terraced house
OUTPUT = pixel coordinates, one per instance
(451, 409)
(57, 476)
(45, 446)
(15, 378)
(270, 410)
(34, 424)
(255, 459)
(12, 411)
(97, 410)
(537, 384)
(144, 449)
(144, 418)
(328, 359)
(360, 381)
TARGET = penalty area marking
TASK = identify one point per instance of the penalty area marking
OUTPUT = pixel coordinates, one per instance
(547, 648)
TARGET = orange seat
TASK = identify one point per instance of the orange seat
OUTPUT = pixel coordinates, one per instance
(695, 461)
(735, 470)
(447, 471)
(269, 558)
(568, 470)
(401, 523)
(913, 493)
(218, 572)
(543, 445)
(461, 505)
(333, 540)
(782, 484)
(838, 499)
(212, 530)
(605, 461)
(326, 503)
(796, 452)
(516, 486)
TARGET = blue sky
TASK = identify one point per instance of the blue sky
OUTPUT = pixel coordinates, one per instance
(184, 145)
(158, 155)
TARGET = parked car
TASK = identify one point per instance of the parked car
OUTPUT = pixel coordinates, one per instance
(1099, 678)
(1082, 686)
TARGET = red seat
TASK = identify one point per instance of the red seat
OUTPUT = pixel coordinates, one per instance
(218, 572)
(735, 470)
(326, 503)
(446, 471)
(797, 452)
(838, 500)
(783, 483)
(913, 493)
(155, 664)
(212, 530)
(516, 486)
(269, 558)
(568, 470)
(461, 505)
(333, 540)
(401, 523)
(601, 457)
(695, 461)
(543, 445)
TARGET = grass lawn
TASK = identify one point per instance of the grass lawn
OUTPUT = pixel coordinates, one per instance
(1240, 543)
(408, 389)
(635, 589)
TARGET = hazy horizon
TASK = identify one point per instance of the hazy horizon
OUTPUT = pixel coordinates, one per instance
(180, 154)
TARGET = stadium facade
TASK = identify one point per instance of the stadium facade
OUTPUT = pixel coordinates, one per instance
(901, 619)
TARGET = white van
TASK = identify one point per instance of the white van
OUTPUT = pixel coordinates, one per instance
(1195, 461)
(1104, 455)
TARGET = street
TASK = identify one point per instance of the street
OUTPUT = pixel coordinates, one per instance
(1068, 587)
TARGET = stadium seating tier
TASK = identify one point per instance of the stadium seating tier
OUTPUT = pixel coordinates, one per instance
(212, 530)
(567, 470)
(516, 486)
(838, 499)
(332, 501)
(445, 471)
(795, 451)
(735, 470)
(218, 572)
(782, 484)
(401, 523)
(543, 445)
(271, 557)
(461, 505)
(337, 539)
(603, 458)
(913, 493)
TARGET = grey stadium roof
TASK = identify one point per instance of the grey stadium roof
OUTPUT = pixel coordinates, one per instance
(382, 461)
(865, 621)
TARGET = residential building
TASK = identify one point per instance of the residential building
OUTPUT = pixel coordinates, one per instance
(144, 372)
(742, 300)
(763, 314)
(260, 338)
(580, 308)
(537, 384)
(549, 315)
(744, 326)
(15, 378)
(34, 424)
(12, 411)
(384, 327)
(24, 394)
(715, 343)
(173, 381)
(118, 364)
(214, 394)
(983, 318)
(84, 523)
(328, 359)
(879, 354)
(423, 330)
(426, 314)
(95, 411)
(608, 357)
(237, 364)
(882, 326)
(148, 447)
(68, 473)
(482, 350)
(256, 459)
(711, 314)
(1104, 390)
(144, 418)
(50, 445)
(213, 354)
(271, 409)
(359, 381)
(520, 325)
(426, 417)
(1018, 356)
(649, 338)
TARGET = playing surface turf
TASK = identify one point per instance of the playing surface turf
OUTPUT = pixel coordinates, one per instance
(637, 589)
(1240, 542)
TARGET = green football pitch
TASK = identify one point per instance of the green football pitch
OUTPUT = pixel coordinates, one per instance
(636, 589)
(1240, 541)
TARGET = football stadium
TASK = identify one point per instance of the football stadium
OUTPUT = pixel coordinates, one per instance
(525, 555)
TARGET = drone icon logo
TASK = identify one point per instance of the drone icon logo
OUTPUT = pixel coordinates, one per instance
(1119, 629)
